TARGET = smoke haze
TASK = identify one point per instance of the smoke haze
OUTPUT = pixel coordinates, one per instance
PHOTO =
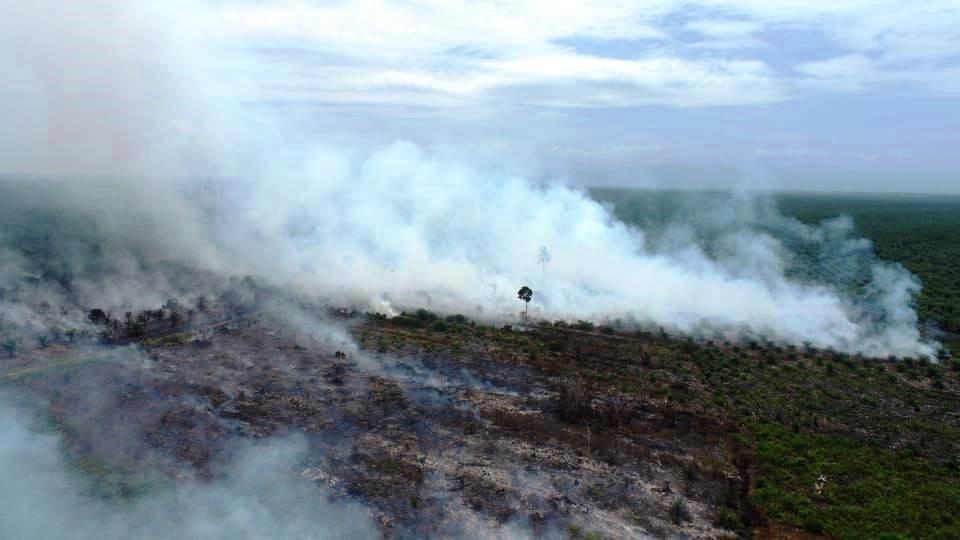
(134, 113)
(146, 162)
(260, 495)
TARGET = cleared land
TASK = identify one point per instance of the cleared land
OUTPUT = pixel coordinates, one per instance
(437, 422)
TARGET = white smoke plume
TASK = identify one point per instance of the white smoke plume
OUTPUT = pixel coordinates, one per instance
(128, 102)
(408, 228)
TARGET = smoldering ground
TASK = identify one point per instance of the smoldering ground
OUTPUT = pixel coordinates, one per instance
(259, 495)
(136, 436)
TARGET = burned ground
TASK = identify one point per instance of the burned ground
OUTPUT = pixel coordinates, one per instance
(447, 428)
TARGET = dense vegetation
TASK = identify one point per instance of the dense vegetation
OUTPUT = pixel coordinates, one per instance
(867, 492)
(883, 434)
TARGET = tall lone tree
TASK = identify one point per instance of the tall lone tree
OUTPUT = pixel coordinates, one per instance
(526, 294)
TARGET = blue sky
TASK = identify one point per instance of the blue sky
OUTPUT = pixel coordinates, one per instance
(797, 94)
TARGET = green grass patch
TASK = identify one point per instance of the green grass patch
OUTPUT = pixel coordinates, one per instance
(869, 492)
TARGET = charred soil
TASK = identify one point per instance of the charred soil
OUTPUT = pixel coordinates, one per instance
(443, 426)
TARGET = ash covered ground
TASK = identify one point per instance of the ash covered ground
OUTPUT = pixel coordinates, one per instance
(431, 441)
(250, 413)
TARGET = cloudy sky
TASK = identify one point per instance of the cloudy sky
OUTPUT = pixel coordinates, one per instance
(857, 95)
(806, 94)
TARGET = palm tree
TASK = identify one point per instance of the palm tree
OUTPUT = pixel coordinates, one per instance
(526, 294)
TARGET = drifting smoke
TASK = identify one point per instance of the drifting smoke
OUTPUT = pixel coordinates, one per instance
(402, 227)
(152, 172)
(124, 98)
(260, 496)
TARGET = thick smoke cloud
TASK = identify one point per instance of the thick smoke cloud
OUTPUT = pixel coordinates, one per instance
(403, 227)
(400, 225)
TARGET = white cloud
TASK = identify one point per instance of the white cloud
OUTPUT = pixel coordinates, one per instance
(496, 53)
(562, 79)
(850, 65)
(494, 27)
(851, 72)
(724, 28)
(429, 53)
(612, 150)
(891, 31)
(728, 44)
(725, 34)
(596, 81)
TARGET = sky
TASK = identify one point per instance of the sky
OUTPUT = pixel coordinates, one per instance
(793, 94)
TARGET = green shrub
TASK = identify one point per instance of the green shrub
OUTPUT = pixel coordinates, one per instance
(869, 491)
(409, 322)
(679, 512)
(425, 315)
(10, 347)
(458, 319)
(582, 325)
(812, 524)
